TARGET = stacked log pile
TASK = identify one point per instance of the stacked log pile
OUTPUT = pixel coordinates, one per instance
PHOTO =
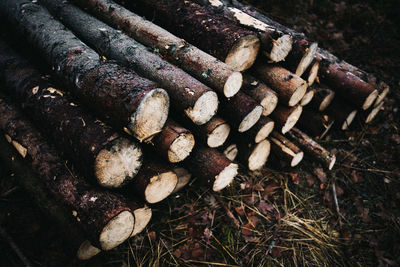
(142, 106)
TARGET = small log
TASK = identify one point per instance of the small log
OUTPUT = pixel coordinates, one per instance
(275, 44)
(369, 115)
(314, 123)
(260, 131)
(313, 148)
(184, 177)
(142, 215)
(214, 34)
(342, 112)
(106, 218)
(96, 149)
(118, 94)
(215, 132)
(286, 117)
(260, 92)
(312, 73)
(212, 167)
(201, 65)
(187, 94)
(290, 87)
(174, 142)
(241, 111)
(155, 181)
(285, 149)
(254, 156)
(230, 151)
(323, 97)
(307, 98)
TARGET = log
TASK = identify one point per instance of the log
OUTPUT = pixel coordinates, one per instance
(313, 148)
(174, 142)
(188, 95)
(106, 219)
(211, 167)
(323, 97)
(290, 87)
(214, 133)
(241, 111)
(201, 65)
(155, 181)
(307, 98)
(32, 184)
(286, 117)
(315, 124)
(260, 92)
(214, 34)
(285, 149)
(142, 215)
(275, 44)
(184, 177)
(122, 97)
(230, 150)
(369, 115)
(96, 149)
(260, 131)
(312, 73)
(254, 156)
(342, 112)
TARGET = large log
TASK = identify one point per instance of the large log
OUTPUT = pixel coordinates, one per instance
(275, 44)
(106, 219)
(323, 97)
(286, 117)
(211, 167)
(214, 34)
(290, 87)
(313, 148)
(284, 149)
(315, 124)
(187, 94)
(201, 65)
(260, 92)
(120, 95)
(96, 149)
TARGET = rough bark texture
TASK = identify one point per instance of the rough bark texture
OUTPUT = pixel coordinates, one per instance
(323, 96)
(260, 92)
(183, 89)
(284, 149)
(290, 87)
(93, 209)
(198, 25)
(107, 88)
(315, 124)
(201, 65)
(37, 191)
(286, 117)
(313, 148)
(70, 127)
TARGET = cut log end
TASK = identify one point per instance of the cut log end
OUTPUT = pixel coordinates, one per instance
(218, 137)
(142, 219)
(264, 131)
(160, 187)
(117, 164)
(259, 155)
(231, 152)
(225, 177)
(250, 119)
(243, 54)
(292, 119)
(298, 94)
(204, 108)
(382, 95)
(281, 48)
(233, 84)
(349, 120)
(371, 116)
(86, 251)
(370, 100)
(307, 58)
(181, 147)
(327, 101)
(297, 159)
(269, 103)
(307, 98)
(183, 178)
(332, 162)
(117, 230)
(151, 115)
(312, 76)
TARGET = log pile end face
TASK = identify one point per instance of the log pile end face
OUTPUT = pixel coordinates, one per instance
(233, 84)
(244, 53)
(160, 186)
(142, 218)
(224, 178)
(219, 135)
(259, 155)
(117, 230)
(181, 147)
(204, 109)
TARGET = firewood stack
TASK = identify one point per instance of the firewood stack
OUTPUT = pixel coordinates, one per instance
(140, 106)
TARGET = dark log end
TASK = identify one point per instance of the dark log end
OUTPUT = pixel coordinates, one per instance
(219, 135)
(204, 109)
(181, 147)
(233, 84)
(243, 54)
(259, 155)
(117, 230)
(160, 186)
(281, 48)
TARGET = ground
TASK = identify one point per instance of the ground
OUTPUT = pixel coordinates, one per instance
(289, 216)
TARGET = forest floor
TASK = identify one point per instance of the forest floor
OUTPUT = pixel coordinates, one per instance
(305, 216)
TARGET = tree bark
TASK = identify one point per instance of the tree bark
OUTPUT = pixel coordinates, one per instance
(212, 33)
(174, 142)
(119, 94)
(260, 92)
(241, 111)
(96, 149)
(290, 87)
(323, 97)
(314, 123)
(211, 167)
(286, 117)
(201, 65)
(106, 219)
(285, 149)
(313, 148)
(253, 156)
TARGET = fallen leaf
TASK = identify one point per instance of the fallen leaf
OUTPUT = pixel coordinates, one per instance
(254, 220)
(240, 210)
(246, 229)
(310, 180)
(264, 207)
(295, 177)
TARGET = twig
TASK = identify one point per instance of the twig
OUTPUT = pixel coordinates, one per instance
(14, 246)
(228, 212)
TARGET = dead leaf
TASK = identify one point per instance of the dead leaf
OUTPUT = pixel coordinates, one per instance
(310, 180)
(270, 189)
(264, 207)
(254, 220)
(240, 210)
(295, 177)
(246, 229)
